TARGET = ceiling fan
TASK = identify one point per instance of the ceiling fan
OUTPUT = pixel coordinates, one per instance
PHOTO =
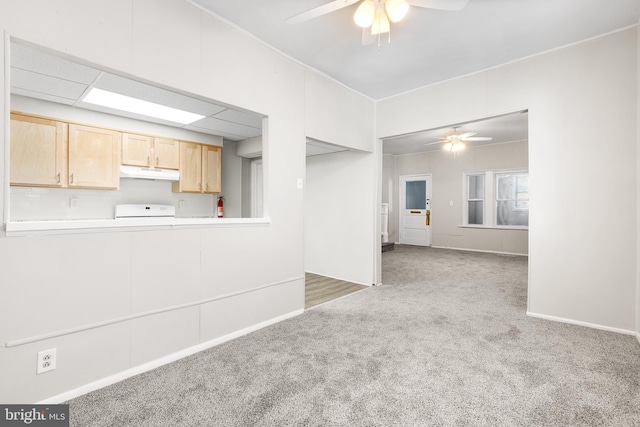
(376, 14)
(455, 141)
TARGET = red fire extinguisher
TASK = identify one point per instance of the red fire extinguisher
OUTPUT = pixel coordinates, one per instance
(220, 207)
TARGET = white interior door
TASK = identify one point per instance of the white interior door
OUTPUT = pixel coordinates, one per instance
(415, 209)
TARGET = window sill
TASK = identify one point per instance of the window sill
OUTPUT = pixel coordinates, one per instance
(498, 227)
(29, 228)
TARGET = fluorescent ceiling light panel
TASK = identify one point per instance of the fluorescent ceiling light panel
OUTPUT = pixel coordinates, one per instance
(138, 106)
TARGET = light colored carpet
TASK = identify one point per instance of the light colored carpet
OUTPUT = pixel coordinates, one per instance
(444, 342)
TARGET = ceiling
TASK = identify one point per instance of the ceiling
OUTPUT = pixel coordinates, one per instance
(502, 129)
(43, 75)
(428, 45)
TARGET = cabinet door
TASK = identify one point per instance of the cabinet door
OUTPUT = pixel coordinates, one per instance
(94, 157)
(136, 150)
(190, 168)
(212, 169)
(38, 155)
(167, 153)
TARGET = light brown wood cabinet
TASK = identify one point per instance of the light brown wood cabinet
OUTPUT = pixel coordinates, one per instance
(200, 168)
(147, 151)
(94, 157)
(190, 168)
(211, 169)
(166, 153)
(38, 155)
(50, 153)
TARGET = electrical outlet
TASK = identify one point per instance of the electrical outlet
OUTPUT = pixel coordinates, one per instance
(180, 204)
(73, 202)
(46, 361)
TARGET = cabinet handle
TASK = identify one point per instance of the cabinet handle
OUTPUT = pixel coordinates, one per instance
(72, 178)
(157, 161)
(148, 163)
(206, 187)
(58, 177)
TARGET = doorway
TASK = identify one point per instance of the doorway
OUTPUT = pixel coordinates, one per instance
(415, 210)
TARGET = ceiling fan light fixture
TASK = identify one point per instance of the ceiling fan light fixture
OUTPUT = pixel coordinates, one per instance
(453, 146)
(365, 14)
(381, 23)
(396, 9)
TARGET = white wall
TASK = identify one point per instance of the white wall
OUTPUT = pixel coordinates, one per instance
(447, 187)
(61, 282)
(582, 106)
(231, 181)
(338, 224)
(340, 195)
(638, 199)
(338, 115)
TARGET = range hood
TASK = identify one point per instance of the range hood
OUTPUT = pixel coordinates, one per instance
(149, 173)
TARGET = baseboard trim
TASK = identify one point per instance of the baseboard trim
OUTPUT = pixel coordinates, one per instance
(120, 376)
(581, 323)
(480, 250)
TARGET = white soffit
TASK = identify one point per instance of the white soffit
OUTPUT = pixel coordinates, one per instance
(316, 148)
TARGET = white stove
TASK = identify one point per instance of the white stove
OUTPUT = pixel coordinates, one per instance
(145, 211)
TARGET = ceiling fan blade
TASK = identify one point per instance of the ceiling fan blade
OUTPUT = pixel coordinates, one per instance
(320, 10)
(478, 138)
(439, 4)
(433, 143)
(466, 135)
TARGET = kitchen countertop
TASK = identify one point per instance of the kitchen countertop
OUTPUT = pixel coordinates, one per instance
(24, 228)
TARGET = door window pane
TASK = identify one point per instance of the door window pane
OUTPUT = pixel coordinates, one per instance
(416, 195)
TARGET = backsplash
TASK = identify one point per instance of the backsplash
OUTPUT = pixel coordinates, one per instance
(46, 204)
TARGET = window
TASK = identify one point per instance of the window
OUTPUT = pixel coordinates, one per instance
(496, 199)
(512, 200)
(475, 199)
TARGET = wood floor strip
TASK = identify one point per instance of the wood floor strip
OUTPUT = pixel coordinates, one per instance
(320, 289)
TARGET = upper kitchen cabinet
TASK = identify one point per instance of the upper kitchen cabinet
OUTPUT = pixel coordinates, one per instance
(38, 154)
(94, 157)
(211, 169)
(200, 168)
(190, 168)
(136, 150)
(147, 151)
(166, 153)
